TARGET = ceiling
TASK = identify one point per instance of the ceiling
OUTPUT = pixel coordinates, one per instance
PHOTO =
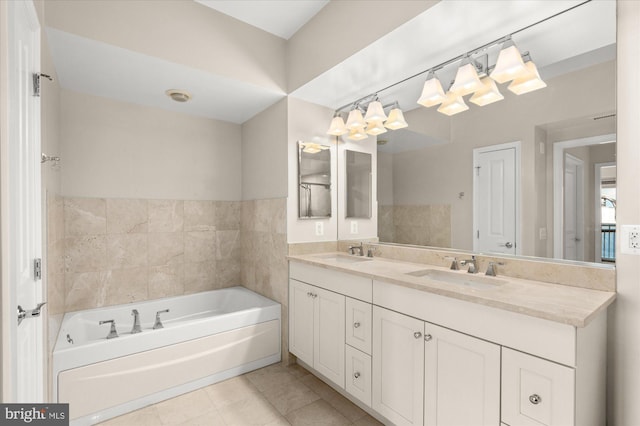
(446, 30)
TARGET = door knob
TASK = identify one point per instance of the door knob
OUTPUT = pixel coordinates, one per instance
(31, 313)
(356, 374)
(535, 399)
(508, 244)
(356, 324)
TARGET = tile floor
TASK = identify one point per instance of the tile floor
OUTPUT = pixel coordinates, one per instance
(274, 395)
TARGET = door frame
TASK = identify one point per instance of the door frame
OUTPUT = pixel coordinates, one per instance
(517, 145)
(558, 190)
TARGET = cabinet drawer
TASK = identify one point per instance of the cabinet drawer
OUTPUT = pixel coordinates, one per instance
(350, 285)
(536, 391)
(358, 374)
(358, 325)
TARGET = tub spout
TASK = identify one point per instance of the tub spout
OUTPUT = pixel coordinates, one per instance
(136, 322)
(158, 323)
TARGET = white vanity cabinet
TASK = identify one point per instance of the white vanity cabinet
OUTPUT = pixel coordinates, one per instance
(316, 329)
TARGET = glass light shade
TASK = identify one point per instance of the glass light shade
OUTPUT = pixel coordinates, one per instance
(488, 94)
(509, 64)
(355, 120)
(396, 120)
(337, 128)
(375, 112)
(432, 93)
(375, 128)
(453, 105)
(357, 134)
(467, 80)
(529, 82)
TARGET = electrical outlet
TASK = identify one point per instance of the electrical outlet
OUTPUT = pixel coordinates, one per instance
(354, 227)
(543, 233)
(630, 239)
(319, 229)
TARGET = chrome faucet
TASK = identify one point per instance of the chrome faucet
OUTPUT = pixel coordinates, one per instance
(136, 322)
(158, 323)
(454, 264)
(473, 266)
(358, 248)
(112, 331)
(491, 268)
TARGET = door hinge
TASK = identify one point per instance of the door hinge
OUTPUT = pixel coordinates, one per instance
(478, 234)
(477, 170)
(36, 82)
(37, 269)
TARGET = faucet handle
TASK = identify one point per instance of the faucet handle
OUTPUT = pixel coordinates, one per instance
(158, 324)
(491, 268)
(112, 331)
(454, 263)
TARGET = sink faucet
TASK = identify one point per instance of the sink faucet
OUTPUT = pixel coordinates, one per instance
(454, 263)
(136, 322)
(491, 268)
(473, 266)
(358, 248)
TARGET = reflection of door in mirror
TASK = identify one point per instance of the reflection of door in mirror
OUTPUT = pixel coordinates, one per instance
(358, 184)
(314, 180)
(605, 208)
(496, 185)
(573, 212)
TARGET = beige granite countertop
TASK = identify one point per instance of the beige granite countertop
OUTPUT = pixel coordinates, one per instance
(560, 303)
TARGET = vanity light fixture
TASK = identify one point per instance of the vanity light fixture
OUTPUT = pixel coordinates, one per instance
(467, 80)
(453, 104)
(510, 64)
(396, 119)
(337, 127)
(432, 92)
(358, 134)
(529, 82)
(312, 147)
(375, 112)
(375, 128)
(355, 119)
(488, 94)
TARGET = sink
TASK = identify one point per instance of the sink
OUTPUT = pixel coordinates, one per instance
(459, 278)
(344, 258)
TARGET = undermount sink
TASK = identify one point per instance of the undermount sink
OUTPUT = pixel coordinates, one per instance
(344, 258)
(459, 278)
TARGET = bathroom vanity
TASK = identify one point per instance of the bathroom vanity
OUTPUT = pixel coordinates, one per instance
(422, 345)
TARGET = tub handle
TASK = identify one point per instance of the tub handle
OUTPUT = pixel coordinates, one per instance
(158, 323)
(112, 331)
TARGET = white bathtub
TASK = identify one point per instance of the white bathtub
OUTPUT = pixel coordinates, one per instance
(207, 337)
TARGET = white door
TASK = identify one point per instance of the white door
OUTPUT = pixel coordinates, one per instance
(328, 344)
(573, 221)
(462, 379)
(27, 377)
(301, 321)
(398, 367)
(495, 199)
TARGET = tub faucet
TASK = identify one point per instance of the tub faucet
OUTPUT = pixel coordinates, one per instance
(136, 322)
(158, 323)
(473, 266)
(112, 332)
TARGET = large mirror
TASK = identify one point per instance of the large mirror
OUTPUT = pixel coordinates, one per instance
(358, 184)
(439, 183)
(314, 180)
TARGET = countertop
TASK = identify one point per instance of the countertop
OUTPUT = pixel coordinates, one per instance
(555, 302)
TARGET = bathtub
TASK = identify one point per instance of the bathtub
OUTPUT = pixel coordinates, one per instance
(207, 337)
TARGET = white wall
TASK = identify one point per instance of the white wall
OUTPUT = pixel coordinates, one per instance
(624, 318)
(114, 149)
(264, 154)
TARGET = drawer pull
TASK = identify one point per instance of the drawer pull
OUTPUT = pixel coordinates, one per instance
(356, 324)
(356, 375)
(535, 399)
(417, 334)
(427, 337)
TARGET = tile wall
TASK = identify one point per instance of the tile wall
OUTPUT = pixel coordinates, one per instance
(424, 225)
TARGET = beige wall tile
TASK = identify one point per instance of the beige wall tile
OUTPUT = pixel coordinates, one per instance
(166, 280)
(166, 216)
(85, 290)
(227, 245)
(85, 216)
(166, 248)
(228, 273)
(55, 293)
(126, 286)
(127, 251)
(85, 254)
(199, 246)
(228, 215)
(127, 216)
(199, 216)
(199, 276)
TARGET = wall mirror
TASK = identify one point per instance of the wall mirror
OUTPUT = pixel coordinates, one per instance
(560, 142)
(314, 180)
(358, 184)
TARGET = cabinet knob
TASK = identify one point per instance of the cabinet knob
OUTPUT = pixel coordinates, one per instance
(427, 337)
(356, 324)
(309, 294)
(356, 374)
(535, 399)
(417, 334)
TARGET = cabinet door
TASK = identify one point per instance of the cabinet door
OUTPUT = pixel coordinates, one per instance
(536, 391)
(328, 356)
(398, 367)
(462, 379)
(358, 374)
(301, 321)
(358, 325)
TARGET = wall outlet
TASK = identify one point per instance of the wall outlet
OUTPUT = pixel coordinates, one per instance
(543, 233)
(354, 227)
(630, 239)
(319, 229)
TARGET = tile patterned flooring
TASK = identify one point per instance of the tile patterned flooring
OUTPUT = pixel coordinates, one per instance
(270, 396)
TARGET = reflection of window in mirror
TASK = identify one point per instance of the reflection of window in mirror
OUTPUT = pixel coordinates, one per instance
(358, 184)
(314, 180)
